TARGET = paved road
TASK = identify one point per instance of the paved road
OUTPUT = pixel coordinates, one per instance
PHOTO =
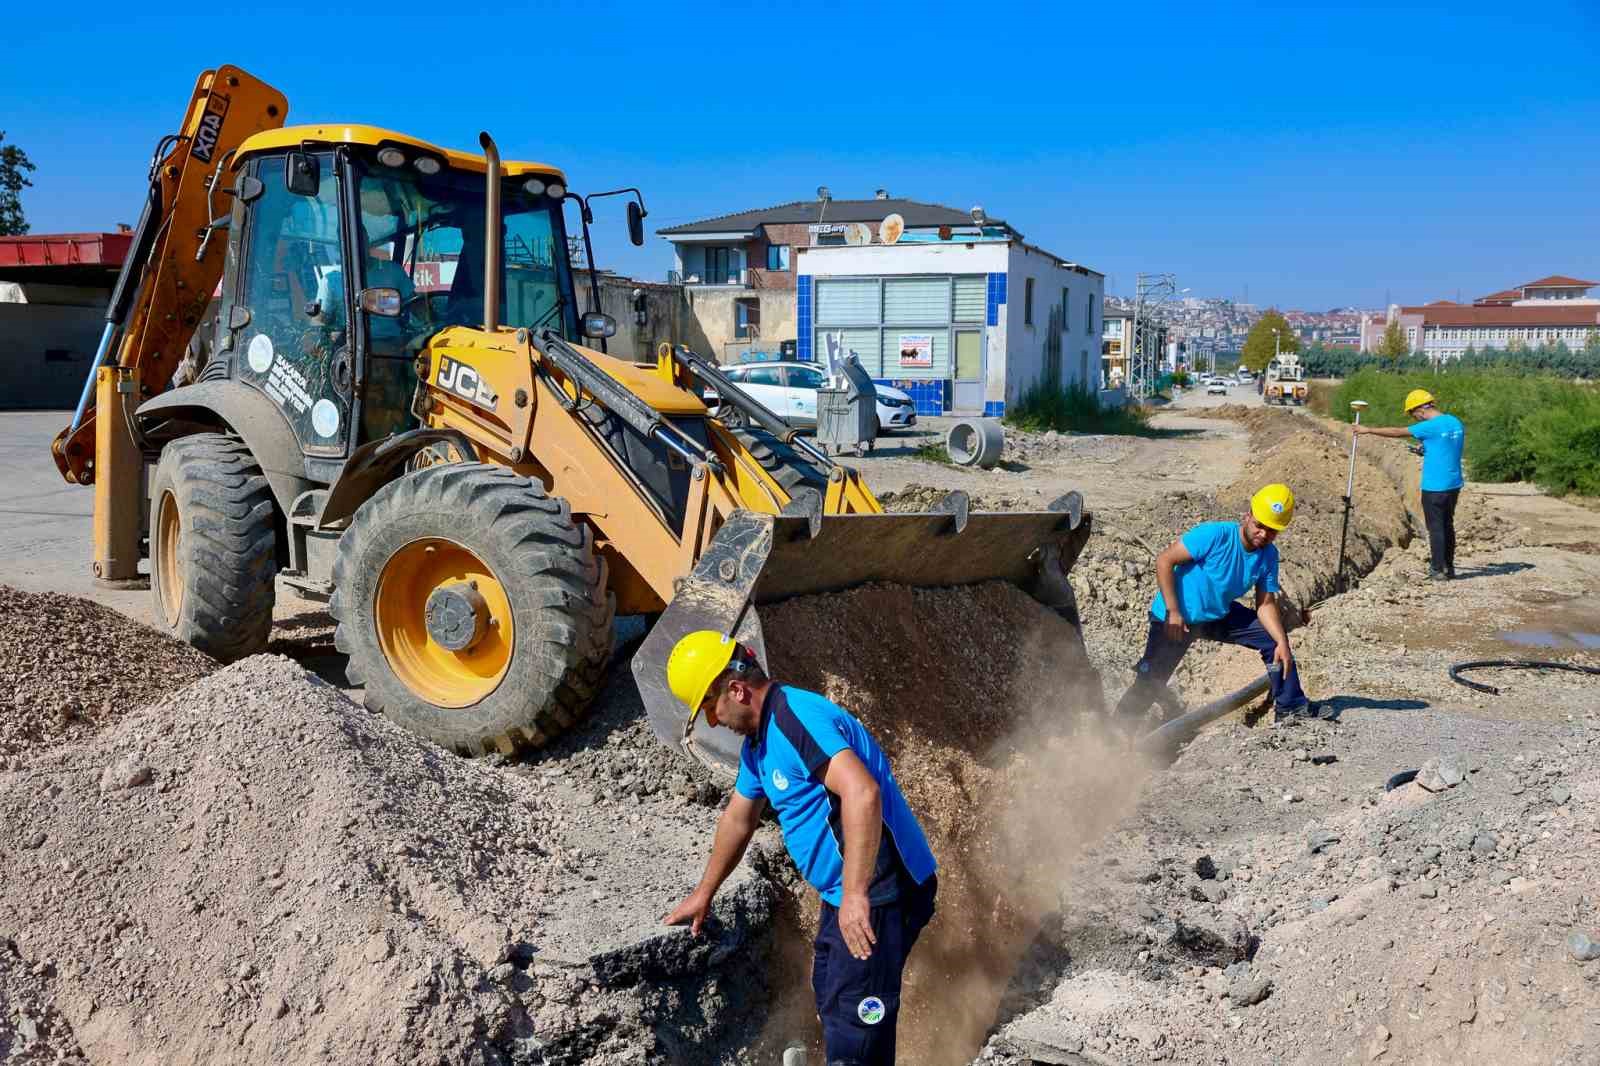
(44, 522)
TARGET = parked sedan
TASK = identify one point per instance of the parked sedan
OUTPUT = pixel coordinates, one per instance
(1218, 387)
(789, 390)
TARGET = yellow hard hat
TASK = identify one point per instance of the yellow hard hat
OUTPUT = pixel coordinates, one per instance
(1416, 398)
(698, 659)
(1273, 507)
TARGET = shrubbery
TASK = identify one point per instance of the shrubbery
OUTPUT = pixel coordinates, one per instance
(1327, 361)
(1520, 426)
(1076, 410)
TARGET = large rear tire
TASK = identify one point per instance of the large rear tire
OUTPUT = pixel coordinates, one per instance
(213, 546)
(473, 608)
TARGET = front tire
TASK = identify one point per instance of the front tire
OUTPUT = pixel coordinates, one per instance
(473, 608)
(213, 546)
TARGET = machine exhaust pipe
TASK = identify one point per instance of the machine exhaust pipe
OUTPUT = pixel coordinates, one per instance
(491, 235)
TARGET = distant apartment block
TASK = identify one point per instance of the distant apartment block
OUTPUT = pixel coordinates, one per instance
(1552, 309)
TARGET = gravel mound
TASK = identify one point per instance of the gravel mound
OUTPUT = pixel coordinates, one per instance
(31, 1029)
(257, 870)
(917, 499)
(73, 666)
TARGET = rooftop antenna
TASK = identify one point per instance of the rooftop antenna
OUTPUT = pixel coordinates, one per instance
(823, 195)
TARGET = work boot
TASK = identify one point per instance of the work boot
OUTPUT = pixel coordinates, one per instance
(1439, 575)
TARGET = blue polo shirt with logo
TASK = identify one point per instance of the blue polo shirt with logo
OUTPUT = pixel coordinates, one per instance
(1222, 571)
(1442, 437)
(785, 762)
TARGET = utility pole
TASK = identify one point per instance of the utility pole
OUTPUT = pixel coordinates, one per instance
(1143, 366)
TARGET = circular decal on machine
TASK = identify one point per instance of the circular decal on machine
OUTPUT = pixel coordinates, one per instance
(259, 353)
(325, 418)
(871, 1010)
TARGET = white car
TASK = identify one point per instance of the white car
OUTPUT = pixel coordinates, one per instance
(1217, 387)
(789, 390)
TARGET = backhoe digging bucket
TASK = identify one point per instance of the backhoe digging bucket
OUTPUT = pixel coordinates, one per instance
(757, 559)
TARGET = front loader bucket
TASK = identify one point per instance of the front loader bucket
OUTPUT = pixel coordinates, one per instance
(757, 559)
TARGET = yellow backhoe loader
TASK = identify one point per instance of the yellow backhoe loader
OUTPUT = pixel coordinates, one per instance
(405, 414)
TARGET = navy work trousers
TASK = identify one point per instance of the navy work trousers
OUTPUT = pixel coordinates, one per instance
(858, 1000)
(1239, 626)
(1439, 511)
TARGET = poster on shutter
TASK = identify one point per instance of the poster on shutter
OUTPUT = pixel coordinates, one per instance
(916, 349)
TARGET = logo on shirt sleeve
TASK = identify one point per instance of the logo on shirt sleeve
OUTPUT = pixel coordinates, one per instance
(871, 1010)
(779, 782)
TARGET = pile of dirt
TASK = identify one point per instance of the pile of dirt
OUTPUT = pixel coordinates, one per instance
(917, 499)
(73, 666)
(987, 707)
(1452, 925)
(257, 870)
(32, 1031)
(1052, 448)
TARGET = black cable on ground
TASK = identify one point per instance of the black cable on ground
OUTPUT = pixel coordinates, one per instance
(1512, 664)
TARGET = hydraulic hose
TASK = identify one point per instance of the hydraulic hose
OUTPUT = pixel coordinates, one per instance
(1512, 664)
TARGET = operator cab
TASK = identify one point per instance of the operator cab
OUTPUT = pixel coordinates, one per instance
(354, 247)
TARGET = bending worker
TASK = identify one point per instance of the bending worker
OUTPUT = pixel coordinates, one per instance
(1442, 436)
(1201, 575)
(844, 821)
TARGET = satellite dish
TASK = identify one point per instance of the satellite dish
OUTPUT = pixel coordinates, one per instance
(892, 228)
(857, 233)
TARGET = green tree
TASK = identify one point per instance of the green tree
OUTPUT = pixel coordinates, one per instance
(14, 165)
(1393, 346)
(1591, 343)
(1258, 343)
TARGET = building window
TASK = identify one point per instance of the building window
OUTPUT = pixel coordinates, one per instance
(747, 319)
(720, 266)
(1066, 306)
(1027, 302)
(1088, 320)
(777, 257)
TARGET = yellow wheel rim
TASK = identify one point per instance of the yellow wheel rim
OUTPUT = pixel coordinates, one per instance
(443, 677)
(170, 580)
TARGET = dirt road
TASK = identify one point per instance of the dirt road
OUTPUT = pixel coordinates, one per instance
(535, 926)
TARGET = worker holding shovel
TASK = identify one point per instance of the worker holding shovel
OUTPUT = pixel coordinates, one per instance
(1201, 576)
(844, 821)
(1443, 437)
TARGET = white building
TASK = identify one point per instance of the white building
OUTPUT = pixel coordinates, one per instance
(964, 320)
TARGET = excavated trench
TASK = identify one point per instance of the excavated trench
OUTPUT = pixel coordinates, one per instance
(991, 709)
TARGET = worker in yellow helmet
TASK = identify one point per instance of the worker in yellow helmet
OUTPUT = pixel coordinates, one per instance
(844, 820)
(1442, 438)
(1201, 575)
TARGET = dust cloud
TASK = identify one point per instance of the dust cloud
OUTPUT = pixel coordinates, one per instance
(991, 715)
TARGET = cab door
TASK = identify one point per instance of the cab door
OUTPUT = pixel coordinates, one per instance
(289, 314)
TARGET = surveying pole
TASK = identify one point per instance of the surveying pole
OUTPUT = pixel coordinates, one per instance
(1349, 494)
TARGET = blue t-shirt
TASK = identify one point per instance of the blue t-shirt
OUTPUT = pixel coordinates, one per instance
(1222, 571)
(1442, 437)
(785, 762)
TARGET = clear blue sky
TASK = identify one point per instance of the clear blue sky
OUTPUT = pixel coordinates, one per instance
(1318, 157)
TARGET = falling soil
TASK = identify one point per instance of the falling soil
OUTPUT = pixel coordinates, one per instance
(987, 707)
(73, 666)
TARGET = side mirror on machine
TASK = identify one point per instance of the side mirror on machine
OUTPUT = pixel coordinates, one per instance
(300, 174)
(635, 223)
(383, 302)
(596, 324)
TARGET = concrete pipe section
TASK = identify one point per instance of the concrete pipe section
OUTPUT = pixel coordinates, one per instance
(976, 442)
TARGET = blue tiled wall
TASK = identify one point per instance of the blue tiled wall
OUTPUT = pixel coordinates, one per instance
(929, 397)
(805, 334)
(997, 296)
(994, 409)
